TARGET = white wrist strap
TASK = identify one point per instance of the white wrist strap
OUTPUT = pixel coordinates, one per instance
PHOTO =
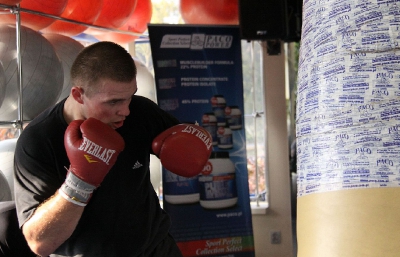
(75, 190)
(69, 199)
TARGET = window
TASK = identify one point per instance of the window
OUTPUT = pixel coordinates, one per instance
(254, 122)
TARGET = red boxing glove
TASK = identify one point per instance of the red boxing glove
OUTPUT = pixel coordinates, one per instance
(92, 148)
(183, 149)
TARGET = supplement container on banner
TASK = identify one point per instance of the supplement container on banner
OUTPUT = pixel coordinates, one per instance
(180, 190)
(218, 105)
(225, 140)
(218, 182)
(209, 123)
(233, 117)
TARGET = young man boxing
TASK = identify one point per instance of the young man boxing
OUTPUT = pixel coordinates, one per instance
(82, 181)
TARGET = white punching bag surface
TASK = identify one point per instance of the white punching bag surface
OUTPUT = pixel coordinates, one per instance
(348, 129)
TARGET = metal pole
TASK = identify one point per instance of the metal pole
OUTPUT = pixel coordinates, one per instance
(19, 122)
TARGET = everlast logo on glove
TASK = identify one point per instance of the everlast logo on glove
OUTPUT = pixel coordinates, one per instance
(96, 150)
(97, 143)
(204, 137)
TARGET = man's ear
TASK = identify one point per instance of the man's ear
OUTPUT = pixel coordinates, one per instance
(77, 94)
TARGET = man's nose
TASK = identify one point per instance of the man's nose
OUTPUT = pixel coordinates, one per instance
(124, 111)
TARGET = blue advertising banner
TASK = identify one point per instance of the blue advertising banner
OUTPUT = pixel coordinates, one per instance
(198, 73)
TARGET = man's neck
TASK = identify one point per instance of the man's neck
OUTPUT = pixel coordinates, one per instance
(71, 110)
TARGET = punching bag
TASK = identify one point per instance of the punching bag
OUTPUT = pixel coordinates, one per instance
(348, 130)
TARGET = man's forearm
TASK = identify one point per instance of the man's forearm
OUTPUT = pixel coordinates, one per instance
(51, 224)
